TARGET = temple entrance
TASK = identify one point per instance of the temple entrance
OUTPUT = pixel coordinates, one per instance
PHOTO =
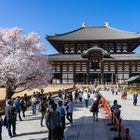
(108, 78)
(80, 78)
(94, 78)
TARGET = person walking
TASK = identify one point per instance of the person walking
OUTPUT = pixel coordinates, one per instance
(23, 107)
(86, 97)
(25, 98)
(43, 109)
(135, 98)
(17, 105)
(70, 109)
(10, 113)
(95, 108)
(80, 96)
(61, 111)
(53, 124)
(33, 103)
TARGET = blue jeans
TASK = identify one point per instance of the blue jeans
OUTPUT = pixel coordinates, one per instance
(11, 122)
(95, 116)
(42, 117)
(34, 108)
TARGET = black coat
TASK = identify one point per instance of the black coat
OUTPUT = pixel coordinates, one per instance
(95, 107)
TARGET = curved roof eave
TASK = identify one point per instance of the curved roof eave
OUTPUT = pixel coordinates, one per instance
(95, 33)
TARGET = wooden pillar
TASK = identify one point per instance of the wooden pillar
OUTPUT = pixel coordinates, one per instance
(74, 75)
(112, 79)
(130, 68)
(116, 72)
(102, 72)
(61, 72)
(87, 77)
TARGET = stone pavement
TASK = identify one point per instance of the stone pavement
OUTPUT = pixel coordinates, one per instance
(83, 127)
(129, 113)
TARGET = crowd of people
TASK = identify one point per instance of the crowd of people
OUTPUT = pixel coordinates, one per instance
(53, 113)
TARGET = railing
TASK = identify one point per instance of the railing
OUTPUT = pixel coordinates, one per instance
(106, 107)
(123, 133)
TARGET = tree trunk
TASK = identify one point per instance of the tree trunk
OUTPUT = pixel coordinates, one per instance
(9, 92)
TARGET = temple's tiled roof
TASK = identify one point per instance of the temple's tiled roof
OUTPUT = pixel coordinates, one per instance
(95, 33)
(78, 57)
(66, 57)
(134, 56)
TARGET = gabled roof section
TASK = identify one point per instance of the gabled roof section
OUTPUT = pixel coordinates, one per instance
(95, 33)
(96, 48)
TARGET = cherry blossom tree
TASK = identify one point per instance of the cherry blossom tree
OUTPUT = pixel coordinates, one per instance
(23, 64)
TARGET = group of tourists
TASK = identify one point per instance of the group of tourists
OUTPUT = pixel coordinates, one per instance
(13, 110)
(53, 114)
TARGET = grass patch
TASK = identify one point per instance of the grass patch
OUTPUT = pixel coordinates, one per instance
(136, 89)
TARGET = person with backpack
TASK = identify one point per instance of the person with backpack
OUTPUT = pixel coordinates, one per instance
(61, 111)
(115, 108)
(53, 124)
(17, 105)
(23, 106)
(43, 109)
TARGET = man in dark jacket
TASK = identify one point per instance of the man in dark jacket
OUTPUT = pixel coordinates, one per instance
(43, 109)
(53, 124)
(115, 108)
(10, 113)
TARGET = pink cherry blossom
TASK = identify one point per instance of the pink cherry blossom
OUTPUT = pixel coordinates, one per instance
(22, 64)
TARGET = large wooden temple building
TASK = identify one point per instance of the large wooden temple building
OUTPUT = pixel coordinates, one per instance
(100, 54)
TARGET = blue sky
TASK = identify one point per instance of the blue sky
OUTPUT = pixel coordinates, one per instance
(59, 16)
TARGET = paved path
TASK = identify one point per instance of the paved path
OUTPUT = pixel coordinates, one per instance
(83, 128)
(129, 113)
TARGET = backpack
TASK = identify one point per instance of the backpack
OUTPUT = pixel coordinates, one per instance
(40, 108)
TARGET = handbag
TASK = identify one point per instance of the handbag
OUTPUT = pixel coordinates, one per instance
(92, 108)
